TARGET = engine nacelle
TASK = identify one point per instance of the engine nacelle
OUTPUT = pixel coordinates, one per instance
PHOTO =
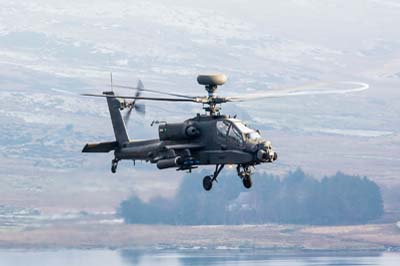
(192, 131)
(178, 131)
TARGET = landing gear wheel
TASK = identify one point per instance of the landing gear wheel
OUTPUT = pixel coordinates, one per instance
(114, 165)
(207, 183)
(247, 183)
(208, 180)
(245, 175)
(113, 168)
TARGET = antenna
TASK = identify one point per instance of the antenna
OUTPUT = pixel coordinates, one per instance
(111, 81)
(111, 77)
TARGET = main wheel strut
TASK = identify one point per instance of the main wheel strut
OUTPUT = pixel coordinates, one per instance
(218, 169)
(208, 180)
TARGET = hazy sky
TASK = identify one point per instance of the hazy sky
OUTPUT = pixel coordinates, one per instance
(52, 50)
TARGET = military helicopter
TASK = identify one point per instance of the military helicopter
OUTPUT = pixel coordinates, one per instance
(206, 139)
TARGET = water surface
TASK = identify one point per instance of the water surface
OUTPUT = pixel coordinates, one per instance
(192, 257)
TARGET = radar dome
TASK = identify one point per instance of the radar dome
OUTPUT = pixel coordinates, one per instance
(211, 80)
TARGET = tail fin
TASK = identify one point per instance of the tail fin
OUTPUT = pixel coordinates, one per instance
(114, 104)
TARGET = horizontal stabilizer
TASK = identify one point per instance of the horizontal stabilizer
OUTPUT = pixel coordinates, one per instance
(100, 147)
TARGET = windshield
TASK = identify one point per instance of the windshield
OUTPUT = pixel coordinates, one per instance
(250, 134)
(235, 136)
(242, 127)
(222, 128)
(253, 135)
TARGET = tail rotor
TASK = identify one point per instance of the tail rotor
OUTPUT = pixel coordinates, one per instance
(140, 108)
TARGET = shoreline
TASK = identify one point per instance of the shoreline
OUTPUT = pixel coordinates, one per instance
(275, 251)
(269, 237)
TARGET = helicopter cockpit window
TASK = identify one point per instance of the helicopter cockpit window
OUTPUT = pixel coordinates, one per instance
(235, 135)
(249, 133)
(222, 128)
(254, 135)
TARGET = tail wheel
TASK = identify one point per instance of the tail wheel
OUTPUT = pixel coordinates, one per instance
(207, 183)
(114, 165)
(247, 183)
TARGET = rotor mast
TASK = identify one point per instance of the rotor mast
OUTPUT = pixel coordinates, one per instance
(211, 83)
(211, 105)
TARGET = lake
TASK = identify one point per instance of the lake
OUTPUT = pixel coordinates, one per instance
(71, 257)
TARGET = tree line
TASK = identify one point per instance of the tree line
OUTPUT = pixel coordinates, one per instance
(296, 198)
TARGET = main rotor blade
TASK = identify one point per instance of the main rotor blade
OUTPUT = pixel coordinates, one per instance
(296, 91)
(154, 91)
(195, 100)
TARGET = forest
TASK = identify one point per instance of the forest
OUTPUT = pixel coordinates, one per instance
(296, 198)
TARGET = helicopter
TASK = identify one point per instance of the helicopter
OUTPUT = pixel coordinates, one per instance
(205, 139)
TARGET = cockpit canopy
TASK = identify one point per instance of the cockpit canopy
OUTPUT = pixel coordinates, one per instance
(235, 130)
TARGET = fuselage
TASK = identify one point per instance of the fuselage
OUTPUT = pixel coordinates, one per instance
(201, 140)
